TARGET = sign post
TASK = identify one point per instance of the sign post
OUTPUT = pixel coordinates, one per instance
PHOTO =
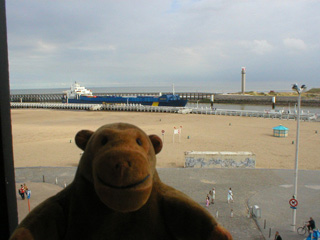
(293, 203)
(162, 131)
(175, 131)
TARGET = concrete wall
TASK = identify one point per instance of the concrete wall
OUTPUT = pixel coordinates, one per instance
(219, 159)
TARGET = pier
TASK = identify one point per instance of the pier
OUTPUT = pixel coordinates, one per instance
(179, 110)
(58, 97)
(192, 96)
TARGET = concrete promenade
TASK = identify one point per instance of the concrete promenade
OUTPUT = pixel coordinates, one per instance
(268, 188)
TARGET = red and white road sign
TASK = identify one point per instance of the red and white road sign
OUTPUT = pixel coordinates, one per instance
(293, 202)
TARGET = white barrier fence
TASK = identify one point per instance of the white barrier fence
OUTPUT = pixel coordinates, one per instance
(142, 108)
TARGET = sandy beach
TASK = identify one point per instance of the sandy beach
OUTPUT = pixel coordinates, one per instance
(46, 137)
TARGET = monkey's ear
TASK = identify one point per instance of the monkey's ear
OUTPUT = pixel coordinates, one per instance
(156, 142)
(82, 138)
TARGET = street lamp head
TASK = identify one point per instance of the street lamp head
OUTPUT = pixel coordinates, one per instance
(295, 86)
(299, 89)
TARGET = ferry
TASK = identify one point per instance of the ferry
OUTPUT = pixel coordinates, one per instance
(79, 94)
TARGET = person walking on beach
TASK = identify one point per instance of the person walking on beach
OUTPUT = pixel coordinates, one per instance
(212, 195)
(25, 189)
(230, 195)
(21, 192)
(207, 201)
(277, 236)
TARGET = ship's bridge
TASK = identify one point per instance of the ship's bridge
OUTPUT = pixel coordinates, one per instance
(168, 97)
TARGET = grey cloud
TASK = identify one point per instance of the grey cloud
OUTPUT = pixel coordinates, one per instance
(183, 42)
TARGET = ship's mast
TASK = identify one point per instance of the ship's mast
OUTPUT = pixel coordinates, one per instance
(173, 88)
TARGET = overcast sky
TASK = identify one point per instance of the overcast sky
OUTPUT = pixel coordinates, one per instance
(201, 44)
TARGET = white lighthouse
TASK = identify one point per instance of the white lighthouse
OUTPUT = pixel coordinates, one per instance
(243, 80)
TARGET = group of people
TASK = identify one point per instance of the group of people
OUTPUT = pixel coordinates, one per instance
(23, 191)
(211, 196)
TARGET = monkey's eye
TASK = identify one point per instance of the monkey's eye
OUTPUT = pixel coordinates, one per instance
(104, 141)
(139, 142)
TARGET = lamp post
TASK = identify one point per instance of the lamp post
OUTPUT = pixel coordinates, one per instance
(299, 90)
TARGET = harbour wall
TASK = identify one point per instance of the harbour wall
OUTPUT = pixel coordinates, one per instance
(264, 100)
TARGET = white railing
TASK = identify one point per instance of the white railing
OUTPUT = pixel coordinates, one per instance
(142, 108)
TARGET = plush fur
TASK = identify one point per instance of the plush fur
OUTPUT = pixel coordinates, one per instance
(117, 194)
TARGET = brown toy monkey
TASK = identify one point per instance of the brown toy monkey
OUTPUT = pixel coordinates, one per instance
(117, 194)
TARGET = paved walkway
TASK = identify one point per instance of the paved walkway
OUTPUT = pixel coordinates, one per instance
(269, 189)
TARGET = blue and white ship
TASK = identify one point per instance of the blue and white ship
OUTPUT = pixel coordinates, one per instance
(79, 94)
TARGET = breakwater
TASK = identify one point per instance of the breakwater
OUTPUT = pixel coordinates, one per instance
(264, 100)
(198, 96)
